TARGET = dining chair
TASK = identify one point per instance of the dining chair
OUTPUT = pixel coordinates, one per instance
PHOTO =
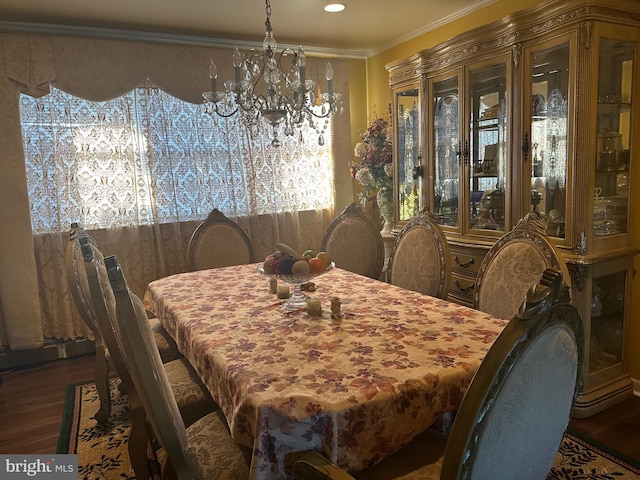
(515, 412)
(102, 365)
(420, 259)
(203, 450)
(191, 396)
(74, 259)
(512, 264)
(354, 242)
(218, 242)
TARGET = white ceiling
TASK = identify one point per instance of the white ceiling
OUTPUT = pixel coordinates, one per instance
(365, 27)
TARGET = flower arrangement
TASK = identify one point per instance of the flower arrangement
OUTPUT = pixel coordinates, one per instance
(374, 170)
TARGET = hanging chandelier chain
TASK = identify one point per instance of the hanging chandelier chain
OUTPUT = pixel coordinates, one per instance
(267, 23)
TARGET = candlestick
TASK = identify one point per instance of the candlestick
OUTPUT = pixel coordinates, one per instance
(283, 291)
(314, 307)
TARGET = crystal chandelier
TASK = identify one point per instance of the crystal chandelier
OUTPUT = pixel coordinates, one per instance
(287, 98)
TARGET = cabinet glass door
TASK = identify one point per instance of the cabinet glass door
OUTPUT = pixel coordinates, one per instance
(485, 152)
(613, 141)
(446, 151)
(409, 181)
(549, 151)
(607, 320)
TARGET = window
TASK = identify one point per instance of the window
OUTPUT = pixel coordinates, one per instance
(147, 157)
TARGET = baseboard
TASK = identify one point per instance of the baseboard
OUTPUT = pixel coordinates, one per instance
(51, 350)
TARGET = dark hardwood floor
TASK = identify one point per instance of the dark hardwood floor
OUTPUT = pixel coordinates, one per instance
(31, 402)
(617, 427)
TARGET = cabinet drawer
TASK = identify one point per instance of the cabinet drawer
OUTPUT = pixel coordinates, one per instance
(466, 260)
(461, 289)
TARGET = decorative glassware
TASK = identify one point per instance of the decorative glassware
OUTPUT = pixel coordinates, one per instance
(297, 300)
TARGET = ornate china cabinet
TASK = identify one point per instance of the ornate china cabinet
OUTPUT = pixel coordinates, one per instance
(537, 112)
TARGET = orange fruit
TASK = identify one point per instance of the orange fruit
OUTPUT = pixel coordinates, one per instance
(316, 265)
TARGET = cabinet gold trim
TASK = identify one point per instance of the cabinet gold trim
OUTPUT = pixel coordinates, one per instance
(585, 33)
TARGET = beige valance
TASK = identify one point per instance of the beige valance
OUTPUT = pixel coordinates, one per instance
(102, 69)
(29, 62)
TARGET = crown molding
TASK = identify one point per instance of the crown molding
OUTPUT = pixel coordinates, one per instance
(168, 38)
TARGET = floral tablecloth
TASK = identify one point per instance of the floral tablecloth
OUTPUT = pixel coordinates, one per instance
(357, 388)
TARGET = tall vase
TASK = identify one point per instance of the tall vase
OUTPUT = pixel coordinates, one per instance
(386, 210)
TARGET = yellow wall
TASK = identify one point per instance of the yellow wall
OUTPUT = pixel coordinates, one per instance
(358, 111)
(378, 97)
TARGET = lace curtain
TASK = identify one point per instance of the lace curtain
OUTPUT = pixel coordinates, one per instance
(147, 157)
(145, 161)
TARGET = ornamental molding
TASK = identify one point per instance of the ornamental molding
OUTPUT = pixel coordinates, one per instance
(586, 29)
(580, 277)
(581, 244)
(510, 32)
(405, 76)
(516, 52)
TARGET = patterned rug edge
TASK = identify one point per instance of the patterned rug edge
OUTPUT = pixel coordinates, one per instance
(71, 415)
(606, 451)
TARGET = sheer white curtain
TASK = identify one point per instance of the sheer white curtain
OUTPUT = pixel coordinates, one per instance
(34, 298)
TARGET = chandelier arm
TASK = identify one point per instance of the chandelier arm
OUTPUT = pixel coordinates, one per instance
(254, 57)
(326, 115)
(223, 114)
(279, 58)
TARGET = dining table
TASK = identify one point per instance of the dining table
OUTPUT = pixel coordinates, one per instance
(355, 385)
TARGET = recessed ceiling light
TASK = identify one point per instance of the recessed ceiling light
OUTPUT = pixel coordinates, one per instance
(334, 7)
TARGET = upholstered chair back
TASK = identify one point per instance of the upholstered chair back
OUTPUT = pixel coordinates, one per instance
(147, 372)
(512, 265)
(218, 242)
(103, 303)
(205, 449)
(355, 243)
(77, 279)
(420, 259)
(79, 287)
(515, 413)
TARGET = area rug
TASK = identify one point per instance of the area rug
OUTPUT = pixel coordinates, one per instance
(102, 451)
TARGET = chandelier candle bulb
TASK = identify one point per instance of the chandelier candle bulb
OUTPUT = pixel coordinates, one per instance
(329, 75)
(237, 63)
(213, 75)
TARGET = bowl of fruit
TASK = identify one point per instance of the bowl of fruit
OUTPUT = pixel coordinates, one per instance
(295, 269)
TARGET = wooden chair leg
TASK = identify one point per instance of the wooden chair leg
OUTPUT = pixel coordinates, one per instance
(101, 379)
(138, 440)
(167, 470)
